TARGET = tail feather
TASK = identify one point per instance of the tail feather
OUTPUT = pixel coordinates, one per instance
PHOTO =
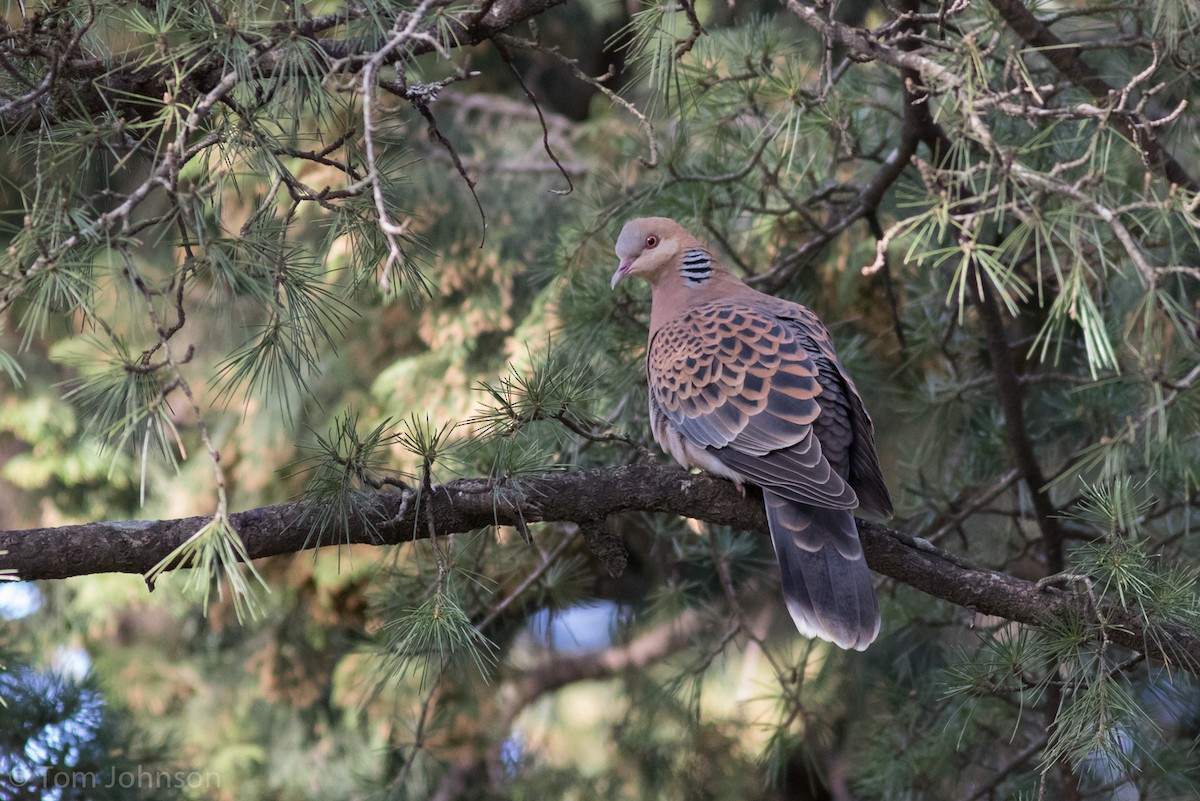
(826, 583)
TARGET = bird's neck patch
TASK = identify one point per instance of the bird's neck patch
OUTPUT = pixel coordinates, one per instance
(696, 267)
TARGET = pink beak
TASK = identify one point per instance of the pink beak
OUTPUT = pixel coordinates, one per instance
(620, 273)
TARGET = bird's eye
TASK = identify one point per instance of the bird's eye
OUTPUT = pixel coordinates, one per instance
(652, 241)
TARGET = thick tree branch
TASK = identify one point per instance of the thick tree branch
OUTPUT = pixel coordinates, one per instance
(583, 496)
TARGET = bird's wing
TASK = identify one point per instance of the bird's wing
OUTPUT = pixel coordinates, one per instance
(736, 379)
(843, 427)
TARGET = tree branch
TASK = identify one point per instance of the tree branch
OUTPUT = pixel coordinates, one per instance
(920, 126)
(92, 84)
(1066, 59)
(1062, 55)
(558, 671)
(582, 496)
(1008, 387)
(555, 672)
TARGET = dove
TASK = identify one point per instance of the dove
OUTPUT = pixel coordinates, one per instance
(748, 387)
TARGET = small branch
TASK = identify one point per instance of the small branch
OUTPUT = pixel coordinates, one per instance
(406, 32)
(322, 156)
(867, 47)
(506, 56)
(1065, 58)
(548, 560)
(882, 267)
(725, 177)
(684, 46)
(1132, 247)
(591, 435)
(559, 671)
(868, 203)
(598, 84)
(961, 509)
(436, 134)
(1016, 763)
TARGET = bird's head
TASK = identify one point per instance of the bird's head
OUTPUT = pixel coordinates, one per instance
(650, 247)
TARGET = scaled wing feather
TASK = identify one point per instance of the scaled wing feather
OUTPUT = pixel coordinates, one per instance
(737, 381)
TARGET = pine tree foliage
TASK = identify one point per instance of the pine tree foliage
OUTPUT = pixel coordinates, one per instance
(341, 253)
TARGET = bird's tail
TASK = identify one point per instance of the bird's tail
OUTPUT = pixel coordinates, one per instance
(826, 583)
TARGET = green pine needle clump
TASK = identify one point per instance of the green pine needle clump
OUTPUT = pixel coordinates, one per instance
(215, 557)
(435, 634)
(345, 470)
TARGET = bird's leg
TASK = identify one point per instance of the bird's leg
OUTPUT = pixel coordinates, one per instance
(403, 510)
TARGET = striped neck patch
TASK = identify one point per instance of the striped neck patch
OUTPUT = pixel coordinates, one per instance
(696, 267)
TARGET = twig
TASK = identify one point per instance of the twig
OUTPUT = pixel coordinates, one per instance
(506, 56)
(436, 133)
(1067, 61)
(888, 289)
(548, 560)
(684, 46)
(598, 84)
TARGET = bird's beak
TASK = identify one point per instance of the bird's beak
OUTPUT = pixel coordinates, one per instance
(622, 270)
